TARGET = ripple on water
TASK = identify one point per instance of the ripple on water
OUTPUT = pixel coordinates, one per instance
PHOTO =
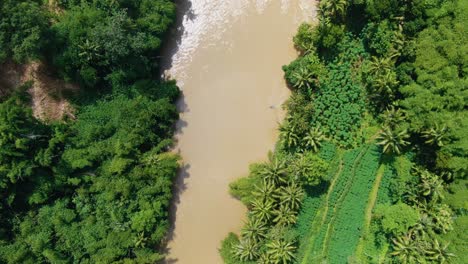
(212, 17)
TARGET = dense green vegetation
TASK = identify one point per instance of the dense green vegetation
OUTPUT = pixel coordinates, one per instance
(386, 82)
(95, 189)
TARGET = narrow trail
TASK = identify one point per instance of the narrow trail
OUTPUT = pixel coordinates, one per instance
(341, 199)
(370, 206)
(316, 226)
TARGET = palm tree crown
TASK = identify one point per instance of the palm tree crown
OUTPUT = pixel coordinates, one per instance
(314, 138)
(393, 142)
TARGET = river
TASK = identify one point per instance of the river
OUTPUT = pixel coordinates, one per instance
(227, 61)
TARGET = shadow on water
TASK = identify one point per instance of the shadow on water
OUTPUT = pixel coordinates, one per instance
(169, 49)
(171, 45)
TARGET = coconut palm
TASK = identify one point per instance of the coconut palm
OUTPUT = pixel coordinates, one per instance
(264, 259)
(431, 185)
(262, 210)
(381, 65)
(435, 135)
(385, 83)
(442, 218)
(300, 166)
(333, 8)
(314, 138)
(425, 223)
(89, 51)
(290, 196)
(246, 250)
(405, 248)
(392, 142)
(253, 230)
(264, 191)
(274, 172)
(303, 78)
(280, 251)
(289, 135)
(284, 216)
(438, 252)
(392, 117)
(140, 240)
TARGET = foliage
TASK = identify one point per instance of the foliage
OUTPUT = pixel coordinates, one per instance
(392, 142)
(120, 42)
(339, 105)
(24, 26)
(401, 64)
(95, 188)
(396, 219)
(118, 184)
(309, 169)
(305, 73)
(438, 95)
(305, 38)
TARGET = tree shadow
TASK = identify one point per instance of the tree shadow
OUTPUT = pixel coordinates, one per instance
(179, 187)
(317, 190)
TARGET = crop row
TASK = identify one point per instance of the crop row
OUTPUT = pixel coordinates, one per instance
(346, 228)
(337, 189)
(314, 206)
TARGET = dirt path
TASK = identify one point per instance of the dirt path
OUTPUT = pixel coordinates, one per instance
(370, 206)
(316, 226)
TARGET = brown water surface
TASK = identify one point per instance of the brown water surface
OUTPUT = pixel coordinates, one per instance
(233, 89)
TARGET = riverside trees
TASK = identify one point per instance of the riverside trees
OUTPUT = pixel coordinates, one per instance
(95, 188)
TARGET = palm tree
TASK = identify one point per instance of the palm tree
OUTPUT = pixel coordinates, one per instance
(288, 135)
(303, 78)
(264, 259)
(442, 218)
(246, 250)
(140, 240)
(392, 142)
(264, 191)
(405, 248)
(333, 8)
(284, 216)
(314, 138)
(431, 185)
(435, 135)
(392, 117)
(301, 166)
(439, 253)
(253, 230)
(274, 172)
(280, 251)
(381, 65)
(262, 210)
(291, 196)
(89, 51)
(385, 83)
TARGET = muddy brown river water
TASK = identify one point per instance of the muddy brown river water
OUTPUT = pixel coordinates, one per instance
(228, 64)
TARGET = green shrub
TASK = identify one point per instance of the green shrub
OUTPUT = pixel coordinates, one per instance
(305, 38)
(396, 219)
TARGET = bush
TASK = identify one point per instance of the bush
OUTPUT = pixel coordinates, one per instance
(305, 38)
(24, 26)
(396, 219)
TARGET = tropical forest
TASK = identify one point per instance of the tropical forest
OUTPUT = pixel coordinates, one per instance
(234, 131)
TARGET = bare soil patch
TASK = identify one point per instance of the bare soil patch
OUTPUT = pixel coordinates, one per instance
(48, 100)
